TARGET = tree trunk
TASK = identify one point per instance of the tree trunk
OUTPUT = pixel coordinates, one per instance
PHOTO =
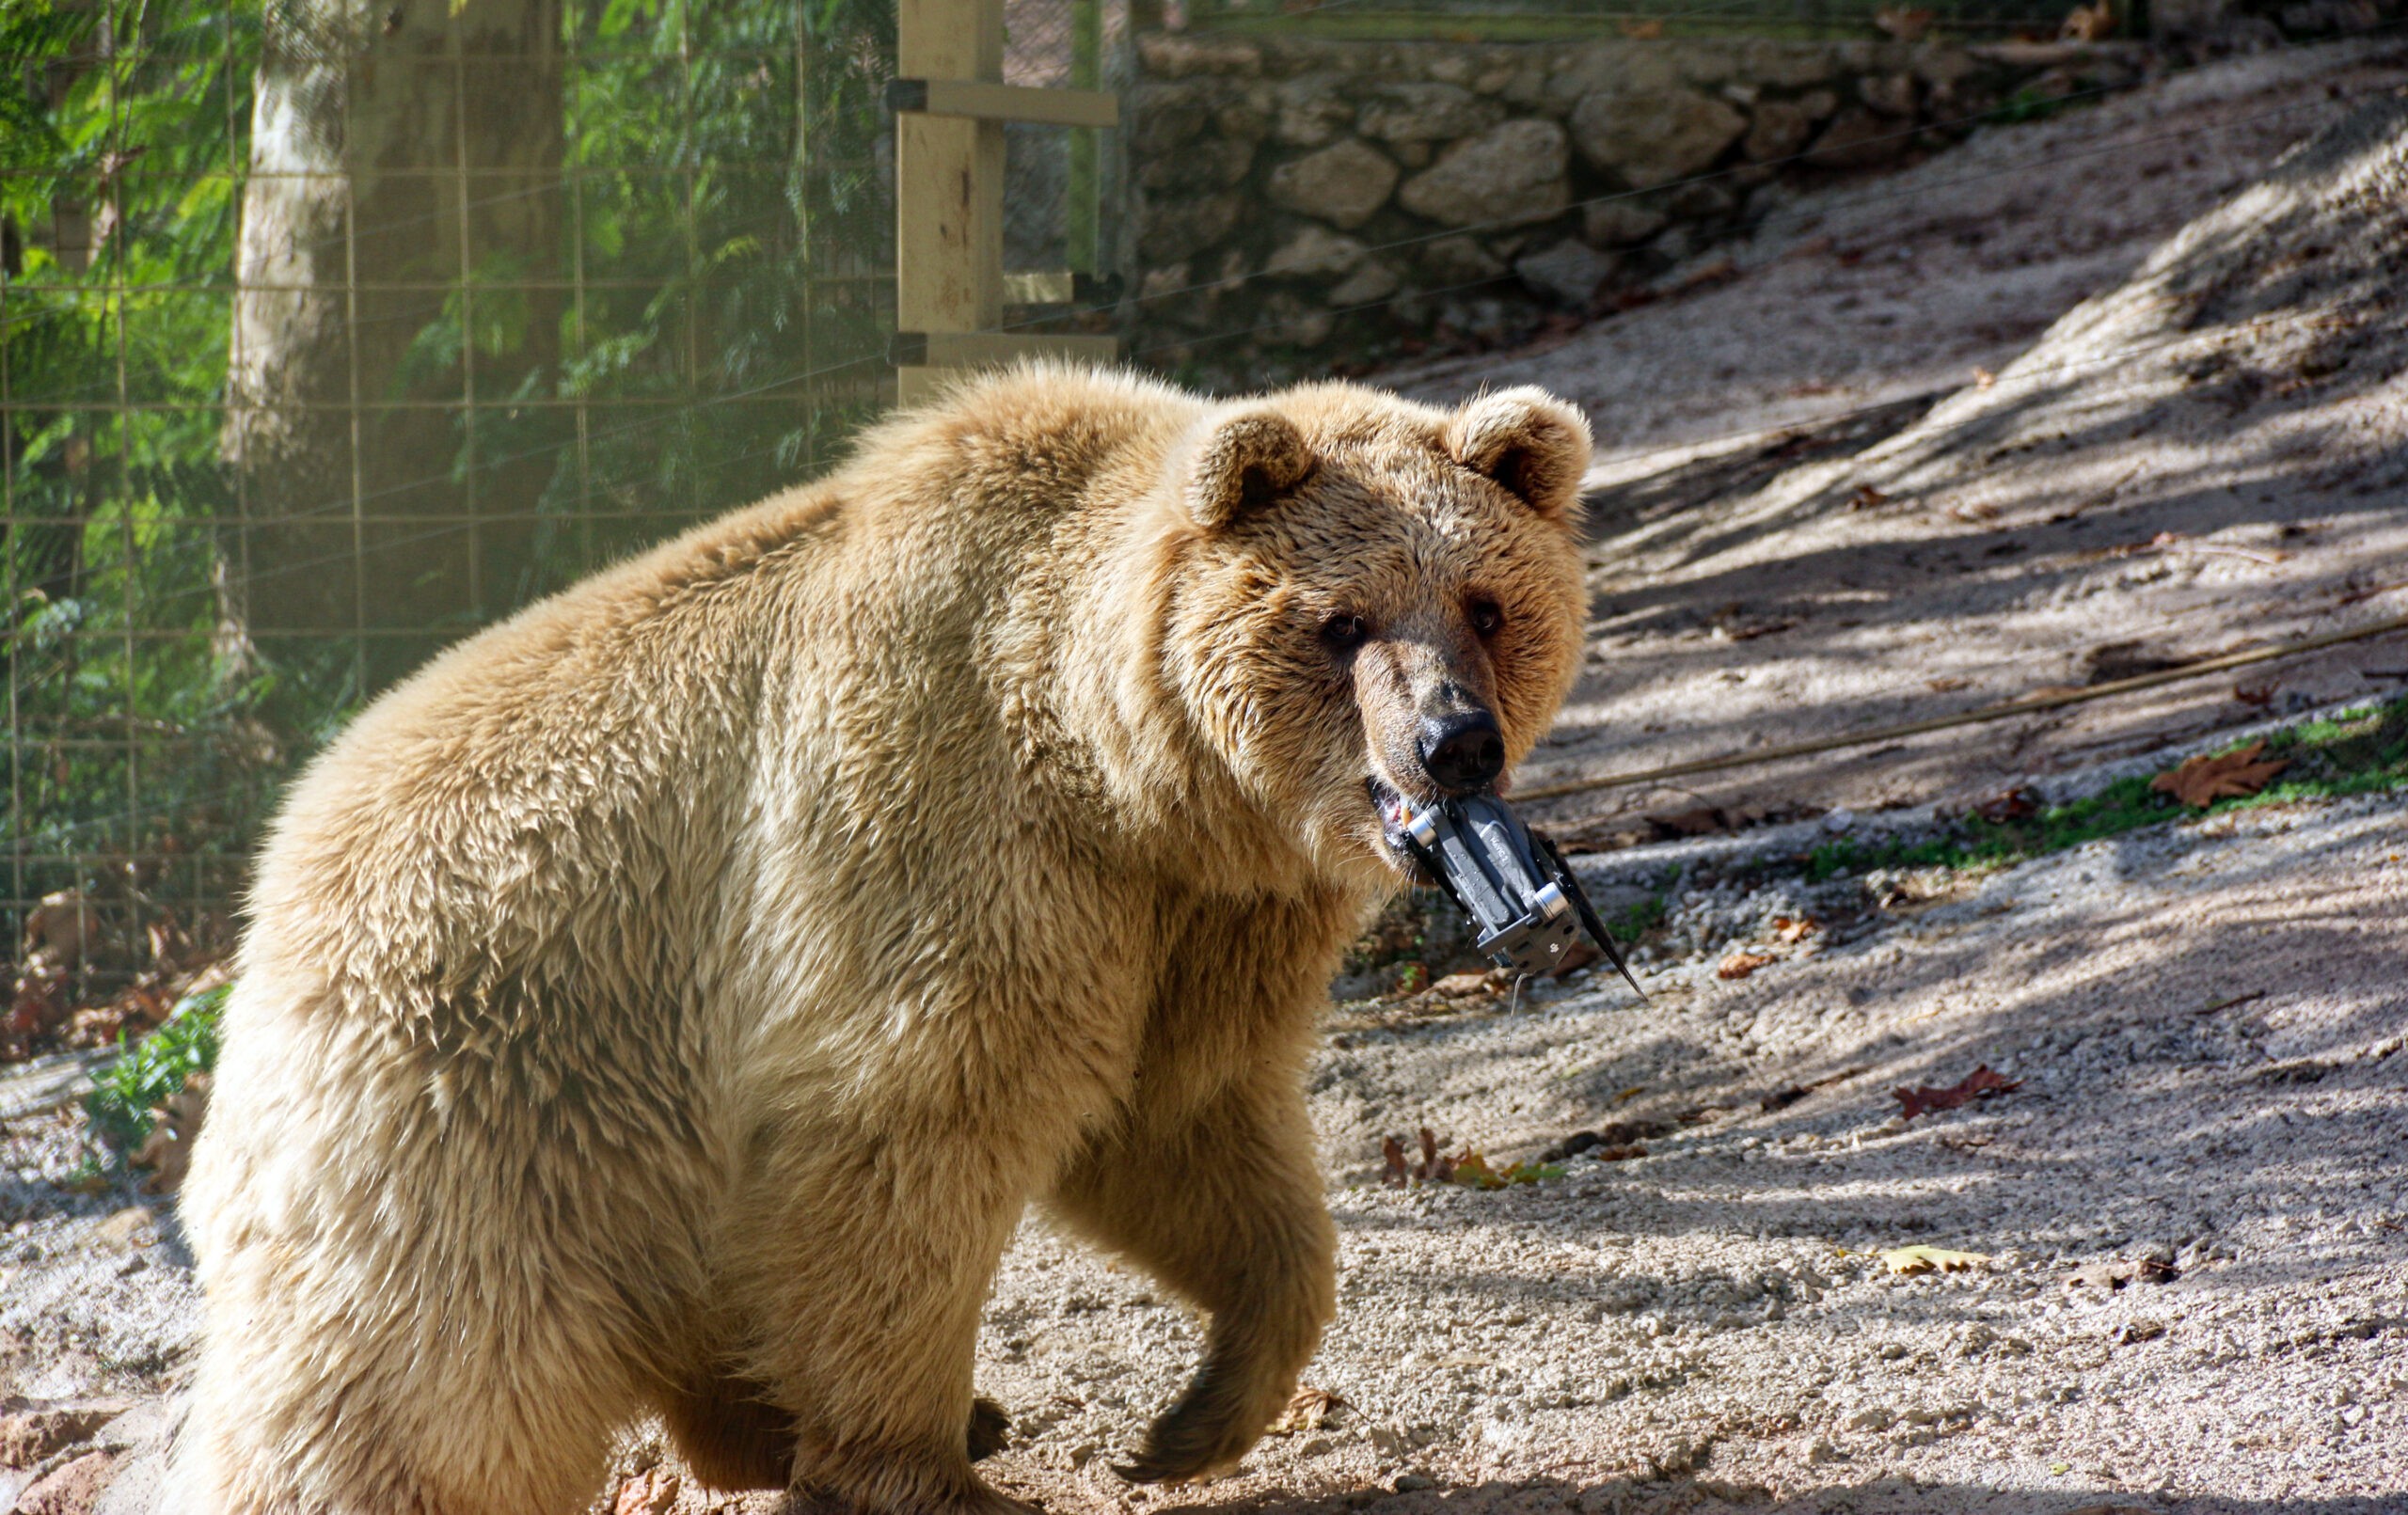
(402, 217)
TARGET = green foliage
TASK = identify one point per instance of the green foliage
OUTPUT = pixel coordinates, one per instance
(729, 235)
(2029, 103)
(114, 365)
(2357, 753)
(147, 1071)
(1635, 921)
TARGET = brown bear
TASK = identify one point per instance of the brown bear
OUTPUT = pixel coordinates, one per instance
(669, 1001)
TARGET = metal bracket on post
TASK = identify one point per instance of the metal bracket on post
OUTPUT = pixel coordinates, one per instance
(950, 105)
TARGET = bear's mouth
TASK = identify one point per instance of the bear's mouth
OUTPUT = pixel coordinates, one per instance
(1394, 810)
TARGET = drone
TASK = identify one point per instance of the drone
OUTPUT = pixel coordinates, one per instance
(1519, 893)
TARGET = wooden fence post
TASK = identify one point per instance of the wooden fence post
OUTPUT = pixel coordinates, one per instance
(950, 104)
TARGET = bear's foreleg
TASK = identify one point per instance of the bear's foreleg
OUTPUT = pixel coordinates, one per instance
(1224, 1205)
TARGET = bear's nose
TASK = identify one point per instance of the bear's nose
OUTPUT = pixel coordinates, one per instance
(1461, 753)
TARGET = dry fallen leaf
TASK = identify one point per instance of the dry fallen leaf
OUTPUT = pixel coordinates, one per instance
(1791, 928)
(1308, 1408)
(1471, 1171)
(1982, 1082)
(1904, 24)
(2089, 24)
(1866, 497)
(1392, 1154)
(2200, 782)
(2260, 694)
(1696, 821)
(1984, 378)
(2014, 805)
(175, 1124)
(1639, 30)
(2113, 1275)
(1910, 1261)
(1741, 964)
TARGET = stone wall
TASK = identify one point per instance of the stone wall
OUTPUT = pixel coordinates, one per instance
(1335, 201)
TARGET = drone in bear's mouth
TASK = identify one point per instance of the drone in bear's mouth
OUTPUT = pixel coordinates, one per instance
(1523, 899)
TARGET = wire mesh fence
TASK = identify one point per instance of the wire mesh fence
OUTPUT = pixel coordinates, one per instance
(1501, 20)
(333, 330)
(1061, 186)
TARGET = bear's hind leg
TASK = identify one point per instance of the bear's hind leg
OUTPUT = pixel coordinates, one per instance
(859, 1278)
(730, 1433)
(1224, 1206)
(733, 1438)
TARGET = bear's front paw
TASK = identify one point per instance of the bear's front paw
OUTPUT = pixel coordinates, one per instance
(1205, 1433)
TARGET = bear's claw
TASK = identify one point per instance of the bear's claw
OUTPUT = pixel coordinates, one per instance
(991, 1427)
(1205, 1433)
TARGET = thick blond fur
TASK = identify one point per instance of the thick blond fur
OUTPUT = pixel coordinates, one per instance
(669, 1001)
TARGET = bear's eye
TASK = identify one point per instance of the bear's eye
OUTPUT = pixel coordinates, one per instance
(1344, 633)
(1486, 617)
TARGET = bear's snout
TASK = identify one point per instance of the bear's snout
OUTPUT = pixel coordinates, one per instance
(1463, 751)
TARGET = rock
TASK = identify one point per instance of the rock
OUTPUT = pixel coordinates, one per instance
(1179, 228)
(1311, 109)
(1206, 164)
(1459, 260)
(1511, 173)
(1243, 120)
(1892, 94)
(1163, 119)
(1411, 155)
(1173, 56)
(1291, 322)
(1342, 184)
(28, 1435)
(1857, 138)
(130, 1227)
(1371, 280)
(1785, 65)
(1943, 67)
(1161, 282)
(1567, 273)
(1610, 68)
(142, 1437)
(1701, 200)
(71, 1488)
(1316, 252)
(1619, 223)
(1780, 129)
(1425, 113)
(651, 1492)
(1653, 136)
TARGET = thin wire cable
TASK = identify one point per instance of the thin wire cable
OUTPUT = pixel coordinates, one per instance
(2027, 705)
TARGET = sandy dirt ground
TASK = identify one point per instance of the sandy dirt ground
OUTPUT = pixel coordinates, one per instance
(1811, 517)
(2190, 1213)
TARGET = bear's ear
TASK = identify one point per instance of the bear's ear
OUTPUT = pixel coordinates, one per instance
(1240, 463)
(1531, 443)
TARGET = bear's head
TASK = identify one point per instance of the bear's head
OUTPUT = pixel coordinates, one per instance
(1375, 601)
